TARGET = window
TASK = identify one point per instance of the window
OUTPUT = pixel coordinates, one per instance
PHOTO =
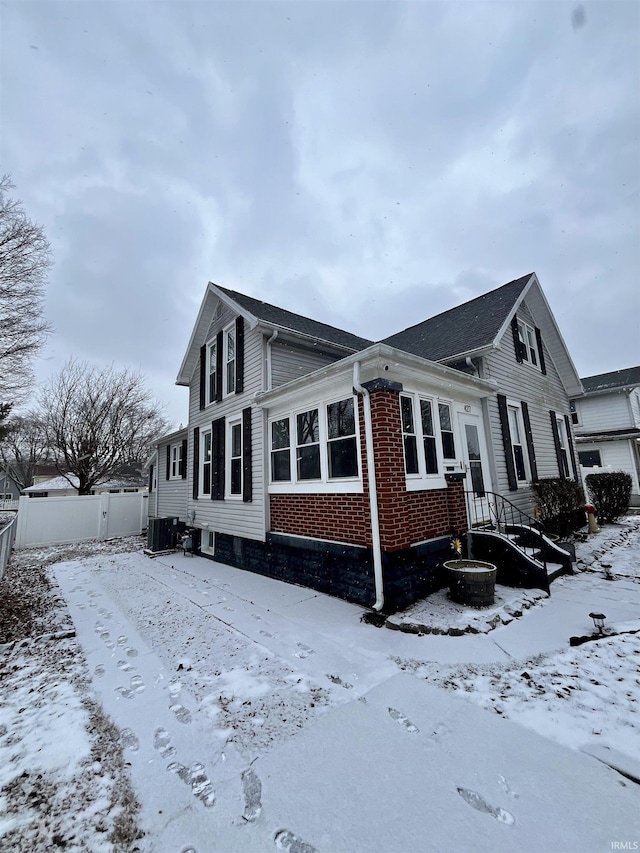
(342, 450)
(207, 541)
(575, 416)
(446, 431)
(280, 451)
(529, 345)
(205, 463)
(423, 447)
(517, 432)
(316, 448)
(409, 436)
(230, 359)
(563, 456)
(234, 485)
(590, 458)
(176, 462)
(212, 359)
(429, 437)
(308, 445)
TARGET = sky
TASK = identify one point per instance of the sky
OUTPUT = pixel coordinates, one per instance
(368, 164)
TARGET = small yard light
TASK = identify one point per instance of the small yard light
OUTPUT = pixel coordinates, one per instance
(598, 621)
(608, 574)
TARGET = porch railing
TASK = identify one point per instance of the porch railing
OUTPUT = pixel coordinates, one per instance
(491, 511)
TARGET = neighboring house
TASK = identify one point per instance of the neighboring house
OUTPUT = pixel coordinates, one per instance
(319, 457)
(167, 472)
(128, 479)
(9, 490)
(607, 424)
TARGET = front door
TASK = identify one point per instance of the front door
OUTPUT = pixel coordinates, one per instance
(478, 483)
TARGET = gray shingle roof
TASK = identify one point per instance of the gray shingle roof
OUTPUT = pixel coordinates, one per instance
(296, 322)
(466, 327)
(615, 379)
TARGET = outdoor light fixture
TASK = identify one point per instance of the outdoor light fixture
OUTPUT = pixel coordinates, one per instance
(598, 621)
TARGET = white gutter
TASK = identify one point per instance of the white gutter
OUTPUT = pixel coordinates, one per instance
(373, 492)
(269, 342)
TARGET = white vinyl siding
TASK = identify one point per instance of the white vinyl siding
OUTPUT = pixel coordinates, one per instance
(235, 517)
(170, 495)
(604, 411)
(289, 362)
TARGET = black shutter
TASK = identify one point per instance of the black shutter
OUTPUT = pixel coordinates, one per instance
(196, 463)
(183, 463)
(517, 343)
(529, 436)
(168, 461)
(219, 342)
(247, 469)
(506, 441)
(217, 459)
(556, 441)
(151, 478)
(543, 366)
(567, 425)
(239, 355)
(203, 376)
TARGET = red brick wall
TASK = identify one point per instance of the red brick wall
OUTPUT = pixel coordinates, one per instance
(405, 517)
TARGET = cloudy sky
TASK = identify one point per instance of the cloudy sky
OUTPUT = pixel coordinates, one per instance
(365, 163)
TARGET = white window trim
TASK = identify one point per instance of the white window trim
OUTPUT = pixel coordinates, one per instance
(517, 406)
(574, 411)
(423, 481)
(229, 330)
(201, 464)
(564, 445)
(205, 535)
(211, 345)
(231, 423)
(324, 485)
(529, 333)
(175, 458)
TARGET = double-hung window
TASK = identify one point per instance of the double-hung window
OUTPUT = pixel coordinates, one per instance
(563, 455)
(528, 343)
(176, 462)
(342, 450)
(280, 450)
(516, 430)
(234, 484)
(446, 431)
(426, 441)
(308, 445)
(230, 359)
(212, 356)
(205, 463)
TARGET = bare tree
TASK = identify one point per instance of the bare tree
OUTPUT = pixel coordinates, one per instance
(25, 257)
(97, 419)
(24, 446)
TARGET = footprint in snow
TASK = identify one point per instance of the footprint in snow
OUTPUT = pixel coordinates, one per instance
(124, 665)
(122, 640)
(196, 778)
(304, 652)
(131, 653)
(403, 720)
(507, 788)
(480, 804)
(124, 692)
(99, 628)
(183, 715)
(104, 613)
(229, 609)
(337, 680)
(162, 742)
(252, 787)
(284, 839)
(137, 683)
(266, 634)
(129, 740)
(99, 671)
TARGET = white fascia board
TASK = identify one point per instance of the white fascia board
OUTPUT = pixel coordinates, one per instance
(285, 332)
(516, 305)
(378, 361)
(197, 335)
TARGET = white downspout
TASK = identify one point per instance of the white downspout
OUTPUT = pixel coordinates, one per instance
(373, 491)
(269, 342)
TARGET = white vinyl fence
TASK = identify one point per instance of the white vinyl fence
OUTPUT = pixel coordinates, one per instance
(56, 521)
(7, 535)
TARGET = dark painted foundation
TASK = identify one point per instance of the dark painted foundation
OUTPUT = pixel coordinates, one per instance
(344, 571)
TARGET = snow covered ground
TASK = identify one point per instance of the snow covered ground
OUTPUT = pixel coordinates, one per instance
(176, 704)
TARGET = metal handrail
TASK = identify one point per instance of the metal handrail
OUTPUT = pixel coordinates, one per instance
(494, 513)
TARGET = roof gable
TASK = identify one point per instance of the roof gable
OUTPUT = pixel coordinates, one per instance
(257, 313)
(464, 329)
(628, 377)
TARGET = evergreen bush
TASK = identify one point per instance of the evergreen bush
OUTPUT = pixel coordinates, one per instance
(610, 493)
(560, 505)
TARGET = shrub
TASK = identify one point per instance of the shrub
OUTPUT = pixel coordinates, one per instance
(610, 493)
(560, 504)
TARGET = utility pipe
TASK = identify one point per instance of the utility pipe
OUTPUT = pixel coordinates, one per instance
(373, 492)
